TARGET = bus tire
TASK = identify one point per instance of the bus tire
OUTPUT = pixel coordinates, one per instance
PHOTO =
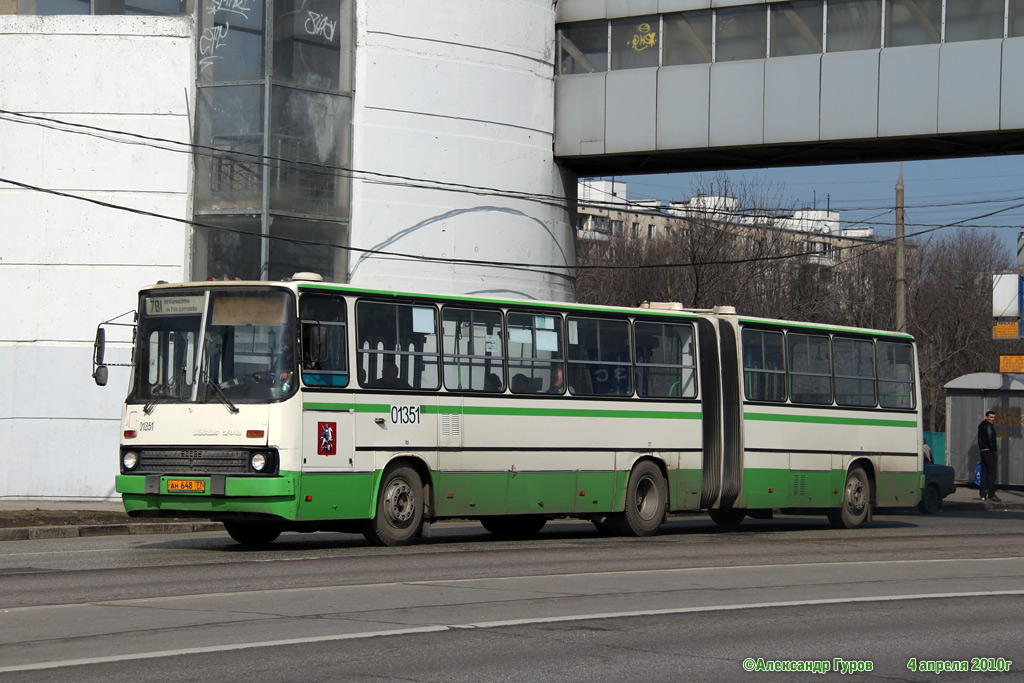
(399, 508)
(727, 519)
(252, 535)
(514, 526)
(646, 499)
(856, 501)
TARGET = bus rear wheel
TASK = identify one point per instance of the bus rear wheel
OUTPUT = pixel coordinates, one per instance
(253, 535)
(514, 526)
(646, 499)
(856, 501)
(399, 508)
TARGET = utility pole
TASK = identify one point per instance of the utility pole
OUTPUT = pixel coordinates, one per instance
(901, 275)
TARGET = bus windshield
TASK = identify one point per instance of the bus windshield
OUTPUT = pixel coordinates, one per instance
(201, 346)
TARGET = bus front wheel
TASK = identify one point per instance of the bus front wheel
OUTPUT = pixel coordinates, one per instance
(253, 535)
(646, 499)
(399, 508)
(856, 501)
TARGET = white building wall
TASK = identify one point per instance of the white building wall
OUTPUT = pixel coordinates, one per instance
(464, 97)
(66, 264)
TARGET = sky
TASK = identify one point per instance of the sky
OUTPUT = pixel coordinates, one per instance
(937, 192)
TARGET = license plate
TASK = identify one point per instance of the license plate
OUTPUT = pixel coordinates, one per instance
(186, 485)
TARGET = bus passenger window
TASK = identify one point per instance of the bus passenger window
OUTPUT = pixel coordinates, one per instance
(397, 345)
(324, 340)
(599, 361)
(474, 358)
(534, 352)
(764, 369)
(810, 369)
(855, 371)
(665, 366)
(895, 375)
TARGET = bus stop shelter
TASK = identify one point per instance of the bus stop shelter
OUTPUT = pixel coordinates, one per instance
(967, 399)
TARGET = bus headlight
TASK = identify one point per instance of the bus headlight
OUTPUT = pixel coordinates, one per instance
(130, 460)
(258, 462)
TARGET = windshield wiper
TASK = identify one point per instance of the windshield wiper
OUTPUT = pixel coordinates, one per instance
(219, 393)
(156, 398)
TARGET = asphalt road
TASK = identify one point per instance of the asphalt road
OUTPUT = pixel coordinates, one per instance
(909, 593)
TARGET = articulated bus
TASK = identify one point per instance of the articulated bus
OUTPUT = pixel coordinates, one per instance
(307, 406)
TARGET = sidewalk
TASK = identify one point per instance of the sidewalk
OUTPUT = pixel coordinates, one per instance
(44, 519)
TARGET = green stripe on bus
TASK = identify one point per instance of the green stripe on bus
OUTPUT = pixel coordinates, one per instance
(828, 419)
(522, 412)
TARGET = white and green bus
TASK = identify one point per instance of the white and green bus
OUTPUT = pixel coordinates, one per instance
(307, 406)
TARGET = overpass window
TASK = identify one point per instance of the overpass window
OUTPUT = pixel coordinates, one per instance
(797, 28)
(687, 38)
(853, 25)
(741, 33)
(635, 42)
(912, 22)
(810, 368)
(1016, 18)
(855, 372)
(973, 20)
(895, 375)
(583, 48)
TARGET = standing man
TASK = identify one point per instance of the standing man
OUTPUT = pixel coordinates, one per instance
(988, 447)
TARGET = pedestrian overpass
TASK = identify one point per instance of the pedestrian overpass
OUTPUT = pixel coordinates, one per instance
(649, 86)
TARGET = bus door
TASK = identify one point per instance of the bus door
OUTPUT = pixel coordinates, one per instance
(722, 451)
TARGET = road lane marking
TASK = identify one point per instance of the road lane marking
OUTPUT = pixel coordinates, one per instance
(438, 628)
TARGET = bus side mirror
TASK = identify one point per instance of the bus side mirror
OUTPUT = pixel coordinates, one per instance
(99, 346)
(99, 373)
(319, 349)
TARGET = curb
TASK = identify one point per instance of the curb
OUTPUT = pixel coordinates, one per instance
(38, 533)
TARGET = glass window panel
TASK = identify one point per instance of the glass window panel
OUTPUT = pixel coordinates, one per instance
(895, 375)
(854, 363)
(473, 350)
(231, 251)
(797, 27)
(912, 22)
(687, 38)
(309, 132)
(764, 369)
(313, 43)
(635, 42)
(973, 20)
(599, 357)
(535, 363)
(1016, 23)
(853, 25)
(323, 318)
(315, 249)
(810, 368)
(229, 119)
(397, 345)
(230, 41)
(741, 33)
(665, 366)
(52, 7)
(156, 7)
(583, 48)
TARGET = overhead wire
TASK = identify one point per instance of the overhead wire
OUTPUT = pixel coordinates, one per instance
(118, 136)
